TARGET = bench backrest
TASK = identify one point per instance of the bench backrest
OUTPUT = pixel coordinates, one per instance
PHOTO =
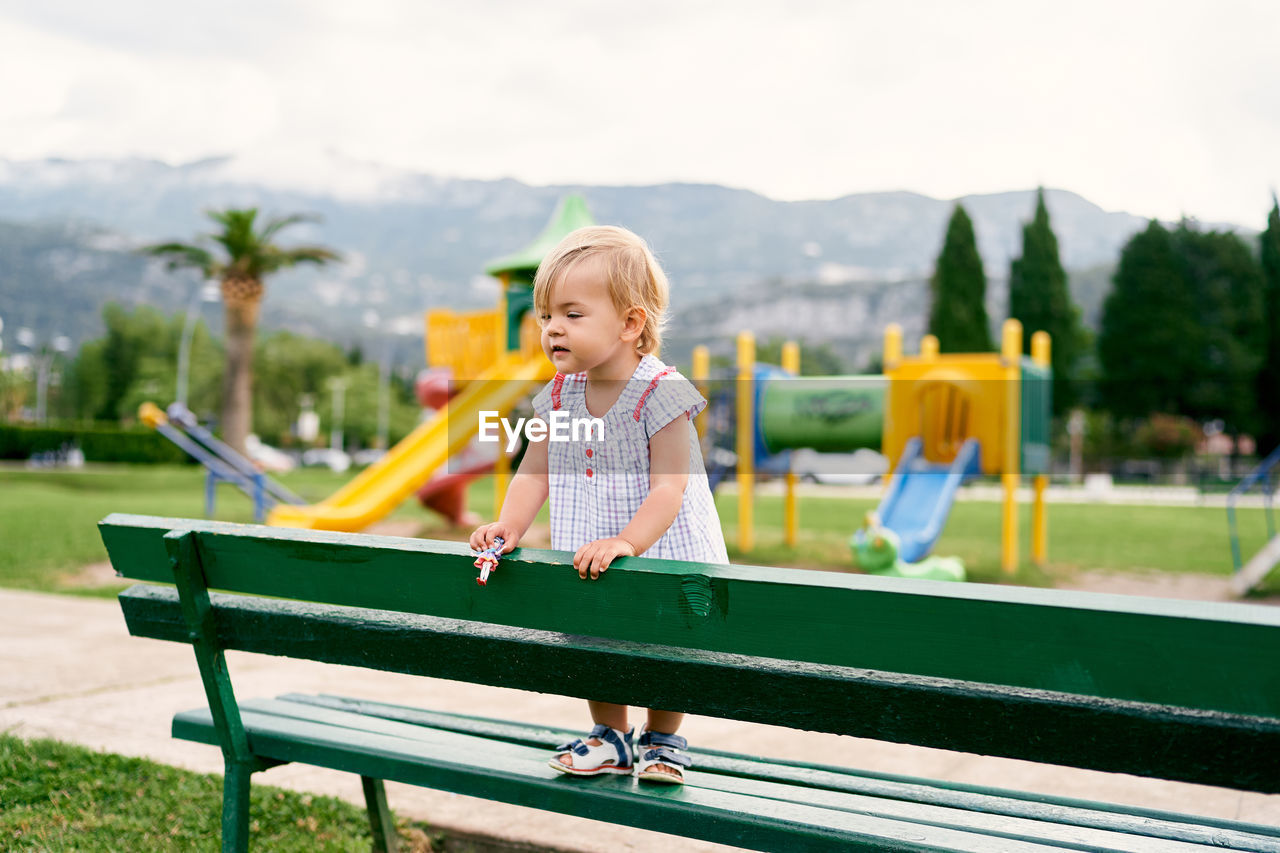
(1181, 690)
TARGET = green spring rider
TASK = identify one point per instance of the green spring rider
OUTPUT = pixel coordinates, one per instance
(875, 551)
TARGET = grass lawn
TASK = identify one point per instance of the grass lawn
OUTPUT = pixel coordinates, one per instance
(57, 796)
(47, 525)
(1081, 536)
(48, 519)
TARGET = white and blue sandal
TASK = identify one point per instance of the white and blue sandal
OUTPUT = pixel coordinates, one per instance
(613, 755)
(658, 748)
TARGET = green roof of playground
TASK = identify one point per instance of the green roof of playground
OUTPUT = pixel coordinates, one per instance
(570, 215)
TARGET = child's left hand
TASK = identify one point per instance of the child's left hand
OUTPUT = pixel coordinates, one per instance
(594, 557)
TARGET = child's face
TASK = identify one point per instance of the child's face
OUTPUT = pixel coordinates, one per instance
(583, 329)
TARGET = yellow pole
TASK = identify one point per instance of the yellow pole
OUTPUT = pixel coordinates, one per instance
(790, 505)
(1039, 510)
(746, 439)
(791, 358)
(500, 345)
(937, 427)
(1011, 357)
(892, 358)
(502, 467)
(892, 346)
(701, 370)
(1039, 521)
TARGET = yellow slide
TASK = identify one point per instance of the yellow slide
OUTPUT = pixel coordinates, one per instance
(383, 486)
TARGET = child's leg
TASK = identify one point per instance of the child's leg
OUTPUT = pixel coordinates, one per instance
(667, 722)
(602, 713)
(613, 716)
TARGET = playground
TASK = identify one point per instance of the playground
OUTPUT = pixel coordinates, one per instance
(943, 424)
(959, 512)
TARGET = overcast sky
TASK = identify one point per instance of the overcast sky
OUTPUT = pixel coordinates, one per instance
(1155, 108)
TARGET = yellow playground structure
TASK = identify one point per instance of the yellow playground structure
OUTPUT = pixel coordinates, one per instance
(997, 403)
(495, 359)
(938, 418)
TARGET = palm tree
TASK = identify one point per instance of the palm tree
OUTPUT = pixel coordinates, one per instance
(247, 257)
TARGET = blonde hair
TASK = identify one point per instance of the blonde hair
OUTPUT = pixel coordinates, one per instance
(634, 278)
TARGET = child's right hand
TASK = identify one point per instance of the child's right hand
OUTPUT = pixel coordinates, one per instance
(484, 535)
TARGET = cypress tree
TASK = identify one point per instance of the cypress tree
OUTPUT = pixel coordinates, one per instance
(1148, 322)
(958, 315)
(121, 357)
(1040, 300)
(1268, 386)
(1227, 341)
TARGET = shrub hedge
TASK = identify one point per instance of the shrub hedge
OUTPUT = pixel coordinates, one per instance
(99, 442)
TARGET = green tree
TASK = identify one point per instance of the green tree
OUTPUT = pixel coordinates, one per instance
(156, 380)
(1040, 300)
(1227, 339)
(360, 415)
(1268, 388)
(245, 258)
(134, 363)
(14, 391)
(131, 336)
(204, 373)
(958, 314)
(1148, 319)
(86, 380)
(289, 366)
(1182, 330)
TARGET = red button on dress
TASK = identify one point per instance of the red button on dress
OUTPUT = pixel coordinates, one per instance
(588, 452)
(588, 472)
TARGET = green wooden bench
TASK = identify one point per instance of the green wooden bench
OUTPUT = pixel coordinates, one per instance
(1174, 690)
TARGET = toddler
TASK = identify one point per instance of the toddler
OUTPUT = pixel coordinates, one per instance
(636, 486)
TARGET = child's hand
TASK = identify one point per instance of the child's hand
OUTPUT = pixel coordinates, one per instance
(594, 557)
(484, 535)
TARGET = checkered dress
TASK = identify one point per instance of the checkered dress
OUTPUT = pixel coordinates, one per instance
(596, 486)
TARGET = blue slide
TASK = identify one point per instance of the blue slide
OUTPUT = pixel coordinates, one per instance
(920, 497)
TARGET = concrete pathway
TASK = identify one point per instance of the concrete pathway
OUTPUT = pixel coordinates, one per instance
(70, 671)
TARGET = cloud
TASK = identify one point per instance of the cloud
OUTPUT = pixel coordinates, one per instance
(230, 29)
(1156, 108)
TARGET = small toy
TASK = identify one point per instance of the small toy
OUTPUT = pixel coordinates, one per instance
(487, 560)
(875, 551)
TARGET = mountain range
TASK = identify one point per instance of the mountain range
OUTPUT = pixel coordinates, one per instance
(830, 270)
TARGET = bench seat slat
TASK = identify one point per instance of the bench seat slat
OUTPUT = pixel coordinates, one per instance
(1162, 824)
(764, 783)
(519, 774)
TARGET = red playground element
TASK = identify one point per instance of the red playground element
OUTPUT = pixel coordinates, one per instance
(487, 560)
(446, 491)
(434, 387)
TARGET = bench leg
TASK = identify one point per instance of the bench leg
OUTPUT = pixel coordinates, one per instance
(235, 807)
(381, 823)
